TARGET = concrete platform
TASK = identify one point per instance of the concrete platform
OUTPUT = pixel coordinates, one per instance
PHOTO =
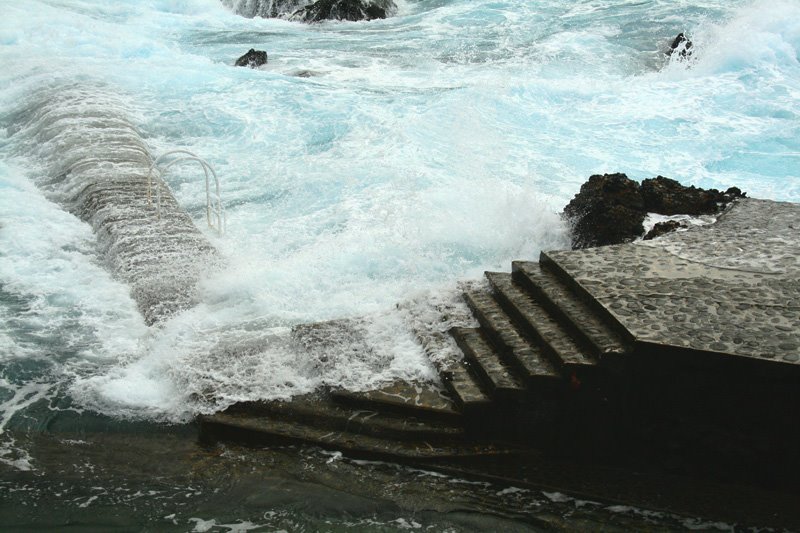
(728, 289)
(96, 167)
(677, 356)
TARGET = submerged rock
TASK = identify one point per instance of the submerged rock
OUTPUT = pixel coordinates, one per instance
(253, 59)
(304, 73)
(662, 228)
(352, 10)
(682, 46)
(609, 209)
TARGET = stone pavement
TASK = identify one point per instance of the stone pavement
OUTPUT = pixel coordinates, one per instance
(730, 288)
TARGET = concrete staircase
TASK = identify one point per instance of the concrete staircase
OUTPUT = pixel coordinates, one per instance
(539, 370)
(543, 356)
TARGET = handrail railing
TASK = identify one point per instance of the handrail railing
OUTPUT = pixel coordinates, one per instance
(188, 156)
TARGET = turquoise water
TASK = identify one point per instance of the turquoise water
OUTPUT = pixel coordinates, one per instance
(412, 152)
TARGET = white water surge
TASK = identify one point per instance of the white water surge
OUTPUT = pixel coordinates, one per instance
(367, 164)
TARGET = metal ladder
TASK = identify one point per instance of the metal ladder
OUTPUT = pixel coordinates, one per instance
(218, 214)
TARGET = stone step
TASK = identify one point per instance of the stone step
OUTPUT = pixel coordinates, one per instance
(323, 413)
(425, 401)
(440, 349)
(264, 430)
(470, 399)
(526, 358)
(565, 304)
(550, 262)
(487, 366)
(431, 318)
(568, 354)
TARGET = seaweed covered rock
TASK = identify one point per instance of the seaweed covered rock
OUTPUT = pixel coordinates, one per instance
(609, 209)
(352, 10)
(668, 197)
(253, 59)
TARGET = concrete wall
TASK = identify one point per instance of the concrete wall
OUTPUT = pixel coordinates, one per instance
(95, 164)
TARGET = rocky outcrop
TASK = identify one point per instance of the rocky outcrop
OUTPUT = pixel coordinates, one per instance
(681, 46)
(352, 10)
(253, 59)
(311, 11)
(668, 197)
(610, 208)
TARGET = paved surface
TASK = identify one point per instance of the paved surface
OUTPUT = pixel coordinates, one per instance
(731, 288)
(417, 398)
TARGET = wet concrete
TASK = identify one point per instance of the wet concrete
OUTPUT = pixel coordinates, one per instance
(164, 480)
(161, 478)
(96, 167)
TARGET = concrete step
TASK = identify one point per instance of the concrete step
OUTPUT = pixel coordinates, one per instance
(574, 312)
(550, 262)
(265, 430)
(487, 366)
(324, 340)
(430, 319)
(470, 399)
(526, 358)
(569, 355)
(324, 413)
(424, 401)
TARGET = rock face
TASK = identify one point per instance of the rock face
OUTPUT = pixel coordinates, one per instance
(253, 59)
(352, 10)
(610, 209)
(314, 11)
(682, 46)
(668, 197)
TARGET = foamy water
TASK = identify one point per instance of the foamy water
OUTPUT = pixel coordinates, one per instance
(412, 153)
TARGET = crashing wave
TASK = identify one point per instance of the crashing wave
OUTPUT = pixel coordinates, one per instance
(313, 11)
(97, 167)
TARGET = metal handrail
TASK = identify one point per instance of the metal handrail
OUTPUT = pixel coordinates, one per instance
(189, 156)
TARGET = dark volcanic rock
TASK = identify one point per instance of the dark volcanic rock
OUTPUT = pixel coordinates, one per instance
(314, 10)
(668, 197)
(682, 46)
(609, 209)
(253, 59)
(352, 10)
(663, 228)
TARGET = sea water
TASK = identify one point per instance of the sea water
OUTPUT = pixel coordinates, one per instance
(367, 164)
